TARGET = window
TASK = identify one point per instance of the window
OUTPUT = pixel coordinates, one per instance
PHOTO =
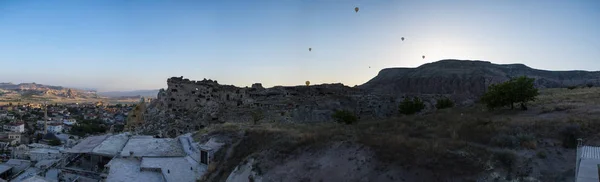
(204, 157)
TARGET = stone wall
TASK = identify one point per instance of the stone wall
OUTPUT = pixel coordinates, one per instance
(190, 105)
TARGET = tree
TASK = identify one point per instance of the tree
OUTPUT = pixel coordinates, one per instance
(444, 103)
(54, 142)
(516, 90)
(343, 116)
(413, 106)
(257, 115)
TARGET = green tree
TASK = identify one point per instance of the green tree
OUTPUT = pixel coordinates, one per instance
(516, 90)
(444, 103)
(343, 116)
(54, 142)
(413, 106)
(257, 115)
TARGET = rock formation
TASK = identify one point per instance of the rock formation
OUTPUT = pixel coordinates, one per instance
(190, 105)
(468, 78)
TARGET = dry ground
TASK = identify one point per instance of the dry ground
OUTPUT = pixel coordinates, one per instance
(457, 144)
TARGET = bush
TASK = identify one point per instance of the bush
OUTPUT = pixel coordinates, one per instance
(516, 90)
(343, 116)
(590, 85)
(541, 154)
(570, 134)
(413, 106)
(507, 158)
(444, 103)
(571, 87)
(505, 141)
(54, 142)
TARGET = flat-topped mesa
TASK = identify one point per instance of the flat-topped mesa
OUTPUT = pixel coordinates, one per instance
(189, 105)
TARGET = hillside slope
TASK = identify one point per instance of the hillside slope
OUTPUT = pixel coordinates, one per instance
(468, 77)
(34, 89)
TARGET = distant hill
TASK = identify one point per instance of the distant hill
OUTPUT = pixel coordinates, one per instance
(142, 93)
(34, 89)
(468, 77)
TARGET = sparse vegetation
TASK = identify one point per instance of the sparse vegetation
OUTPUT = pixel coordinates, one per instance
(91, 127)
(409, 107)
(257, 115)
(344, 116)
(469, 138)
(516, 90)
(444, 103)
(54, 142)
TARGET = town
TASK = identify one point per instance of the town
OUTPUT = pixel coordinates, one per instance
(80, 141)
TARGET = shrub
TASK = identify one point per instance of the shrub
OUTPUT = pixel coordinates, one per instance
(413, 106)
(589, 85)
(516, 90)
(257, 115)
(343, 116)
(444, 103)
(571, 87)
(526, 141)
(541, 154)
(507, 158)
(570, 134)
(505, 141)
(54, 142)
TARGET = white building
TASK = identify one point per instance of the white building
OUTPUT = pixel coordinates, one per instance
(55, 128)
(18, 127)
(38, 154)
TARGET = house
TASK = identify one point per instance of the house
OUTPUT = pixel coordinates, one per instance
(3, 114)
(15, 127)
(55, 128)
(16, 137)
(10, 116)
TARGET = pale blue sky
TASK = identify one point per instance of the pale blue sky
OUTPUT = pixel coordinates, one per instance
(138, 44)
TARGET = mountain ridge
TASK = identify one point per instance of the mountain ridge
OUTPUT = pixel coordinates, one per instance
(452, 76)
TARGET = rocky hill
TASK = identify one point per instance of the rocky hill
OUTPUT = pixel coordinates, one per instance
(469, 78)
(189, 105)
(34, 89)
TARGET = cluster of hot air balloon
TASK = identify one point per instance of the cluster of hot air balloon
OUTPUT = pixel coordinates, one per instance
(355, 10)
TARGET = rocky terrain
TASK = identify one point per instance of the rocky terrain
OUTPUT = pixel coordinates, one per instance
(468, 78)
(33, 89)
(284, 133)
(188, 105)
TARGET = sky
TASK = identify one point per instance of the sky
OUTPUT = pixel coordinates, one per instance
(116, 45)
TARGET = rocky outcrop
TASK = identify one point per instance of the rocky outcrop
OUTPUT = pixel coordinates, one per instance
(468, 78)
(30, 89)
(189, 105)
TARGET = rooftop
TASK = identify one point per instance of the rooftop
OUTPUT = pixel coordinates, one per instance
(44, 151)
(4, 168)
(112, 145)
(175, 168)
(35, 178)
(153, 147)
(88, 144)
(123, 169)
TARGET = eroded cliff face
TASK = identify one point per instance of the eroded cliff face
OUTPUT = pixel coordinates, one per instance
(468, 78)
(190, 105)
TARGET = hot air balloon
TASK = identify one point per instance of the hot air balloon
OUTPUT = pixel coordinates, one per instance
(307, 83)
(356, 9)
(402, 38)
(309, 49)
(423, 56)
